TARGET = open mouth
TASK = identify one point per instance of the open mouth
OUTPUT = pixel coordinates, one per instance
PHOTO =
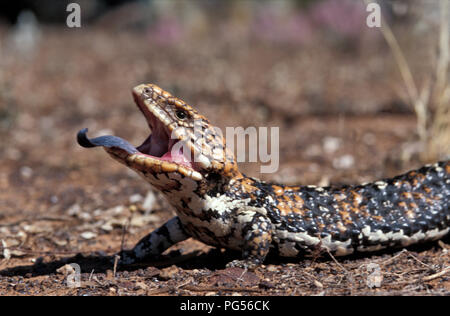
(161, 144)
(162, 151)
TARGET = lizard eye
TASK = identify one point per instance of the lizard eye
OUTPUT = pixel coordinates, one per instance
(181, 114)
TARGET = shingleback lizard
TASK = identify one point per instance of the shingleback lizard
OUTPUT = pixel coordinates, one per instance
(218, 205)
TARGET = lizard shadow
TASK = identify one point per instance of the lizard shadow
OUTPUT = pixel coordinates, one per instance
(99, 263)
(214, 259)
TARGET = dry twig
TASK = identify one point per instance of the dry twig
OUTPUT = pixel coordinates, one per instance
(437, 275)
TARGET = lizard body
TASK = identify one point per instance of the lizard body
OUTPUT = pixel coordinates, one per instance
(218, 205)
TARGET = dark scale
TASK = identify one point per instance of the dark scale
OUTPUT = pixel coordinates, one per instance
(383, 206)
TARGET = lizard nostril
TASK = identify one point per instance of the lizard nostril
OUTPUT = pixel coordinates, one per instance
(147, 90)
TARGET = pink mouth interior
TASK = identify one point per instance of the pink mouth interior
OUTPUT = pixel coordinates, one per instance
(159, 144)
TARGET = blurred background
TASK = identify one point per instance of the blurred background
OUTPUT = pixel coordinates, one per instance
(353, 103)
(335, 87)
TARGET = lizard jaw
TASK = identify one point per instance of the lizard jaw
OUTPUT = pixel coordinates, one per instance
(157, 153)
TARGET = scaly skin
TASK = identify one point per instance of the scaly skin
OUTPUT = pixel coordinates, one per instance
(220, 206)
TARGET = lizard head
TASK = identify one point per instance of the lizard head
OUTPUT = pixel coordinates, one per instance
(182, 142)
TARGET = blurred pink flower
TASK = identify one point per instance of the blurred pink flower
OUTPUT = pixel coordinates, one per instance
(271, 26)
(345, 17)
(167, 30)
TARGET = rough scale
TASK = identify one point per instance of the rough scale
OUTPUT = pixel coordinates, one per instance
(218, 205)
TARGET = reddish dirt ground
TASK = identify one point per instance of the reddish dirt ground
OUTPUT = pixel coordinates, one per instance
(340, 121)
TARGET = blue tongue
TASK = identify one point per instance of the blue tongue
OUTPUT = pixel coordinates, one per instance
(104, 141)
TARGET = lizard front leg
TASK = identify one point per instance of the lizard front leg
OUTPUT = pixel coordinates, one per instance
(156, 242)
(256, 230)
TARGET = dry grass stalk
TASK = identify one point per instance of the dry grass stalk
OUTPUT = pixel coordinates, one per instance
(433, 129)
(439, 144)
(419, 100)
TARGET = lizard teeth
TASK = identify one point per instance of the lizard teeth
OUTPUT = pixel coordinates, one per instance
(202, 161)
(168, 167)
(197, 176)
